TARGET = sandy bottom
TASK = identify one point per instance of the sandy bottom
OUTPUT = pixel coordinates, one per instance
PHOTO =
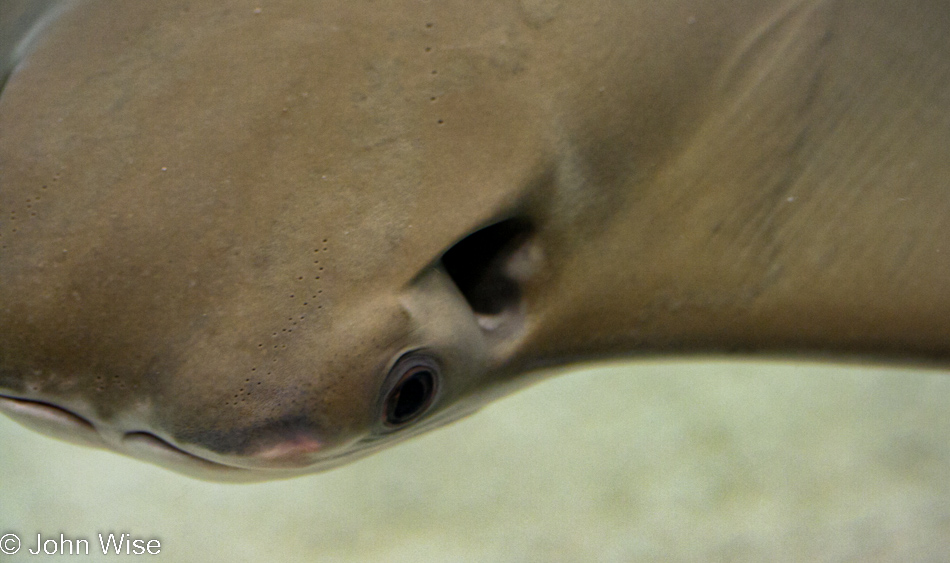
(663, 462)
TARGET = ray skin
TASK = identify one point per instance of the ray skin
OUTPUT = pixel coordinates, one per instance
(253, 242)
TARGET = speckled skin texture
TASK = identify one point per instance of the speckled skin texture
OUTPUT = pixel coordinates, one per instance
(222, 225)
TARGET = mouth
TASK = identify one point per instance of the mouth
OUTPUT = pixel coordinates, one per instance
(290, 457)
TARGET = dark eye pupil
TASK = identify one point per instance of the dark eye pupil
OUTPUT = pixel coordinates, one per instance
(410, 397)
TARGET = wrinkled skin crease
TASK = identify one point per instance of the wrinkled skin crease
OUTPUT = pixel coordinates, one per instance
(232, 236)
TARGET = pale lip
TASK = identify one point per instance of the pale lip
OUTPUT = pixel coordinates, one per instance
(293, 453)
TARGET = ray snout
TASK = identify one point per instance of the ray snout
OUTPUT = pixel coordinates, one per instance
(264, 448)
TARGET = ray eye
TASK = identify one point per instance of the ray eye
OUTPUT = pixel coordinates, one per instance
(414, 391)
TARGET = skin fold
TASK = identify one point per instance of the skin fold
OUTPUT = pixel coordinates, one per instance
(251, 242)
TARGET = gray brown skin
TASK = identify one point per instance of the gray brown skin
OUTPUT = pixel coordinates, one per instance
(228, 233)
